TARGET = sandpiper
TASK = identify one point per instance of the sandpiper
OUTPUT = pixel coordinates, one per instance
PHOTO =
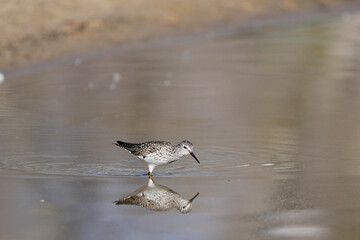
(157, 153)
(157, 198)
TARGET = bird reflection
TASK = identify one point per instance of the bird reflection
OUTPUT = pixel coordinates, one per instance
(157, 198)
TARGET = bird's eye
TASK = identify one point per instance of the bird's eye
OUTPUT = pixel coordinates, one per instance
(185, 147)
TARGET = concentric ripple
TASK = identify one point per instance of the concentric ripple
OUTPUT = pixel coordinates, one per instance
(215, 161)
(40, 164)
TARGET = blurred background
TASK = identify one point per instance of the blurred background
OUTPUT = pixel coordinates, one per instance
(267, 91)
(39, 30)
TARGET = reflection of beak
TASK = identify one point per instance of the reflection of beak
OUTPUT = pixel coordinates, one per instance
(192, 154)
(192, 199)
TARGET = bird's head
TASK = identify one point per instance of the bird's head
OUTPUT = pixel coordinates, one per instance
(186, 205)
(186, 148)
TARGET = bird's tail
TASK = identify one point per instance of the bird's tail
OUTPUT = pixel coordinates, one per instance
(126, 201)
(126, 145)
(120, 202)
(122, 144)
(118, 143)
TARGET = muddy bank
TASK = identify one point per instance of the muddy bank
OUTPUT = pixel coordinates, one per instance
(38, 30)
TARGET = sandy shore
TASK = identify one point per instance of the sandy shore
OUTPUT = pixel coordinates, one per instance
(40, 30)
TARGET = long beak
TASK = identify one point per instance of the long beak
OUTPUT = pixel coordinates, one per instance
(192, 199)
(192, 154)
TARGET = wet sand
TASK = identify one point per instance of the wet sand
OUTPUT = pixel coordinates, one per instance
(37, 31)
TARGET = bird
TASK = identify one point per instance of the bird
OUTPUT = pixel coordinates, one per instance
(156, 153)
(157, 198)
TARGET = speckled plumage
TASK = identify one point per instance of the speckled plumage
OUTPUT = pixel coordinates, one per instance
(157, 198)
(157, 153)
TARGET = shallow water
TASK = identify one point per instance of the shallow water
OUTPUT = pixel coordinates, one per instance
(273, 114)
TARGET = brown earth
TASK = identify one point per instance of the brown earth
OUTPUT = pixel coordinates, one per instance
(39, 30)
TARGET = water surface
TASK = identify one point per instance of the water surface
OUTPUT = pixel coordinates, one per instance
(273, 114)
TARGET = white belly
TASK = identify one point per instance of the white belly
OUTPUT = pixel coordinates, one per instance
(158, 159)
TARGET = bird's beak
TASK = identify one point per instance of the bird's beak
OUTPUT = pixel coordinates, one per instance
(192, 154)
(192, 199)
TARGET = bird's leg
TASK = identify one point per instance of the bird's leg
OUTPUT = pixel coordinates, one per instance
(149, 175)
(151, 168)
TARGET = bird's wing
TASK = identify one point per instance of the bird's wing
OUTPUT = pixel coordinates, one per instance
(141, 201)
(151, 147)
(144, 148)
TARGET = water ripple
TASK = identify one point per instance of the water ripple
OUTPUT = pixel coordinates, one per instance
(215, 161)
